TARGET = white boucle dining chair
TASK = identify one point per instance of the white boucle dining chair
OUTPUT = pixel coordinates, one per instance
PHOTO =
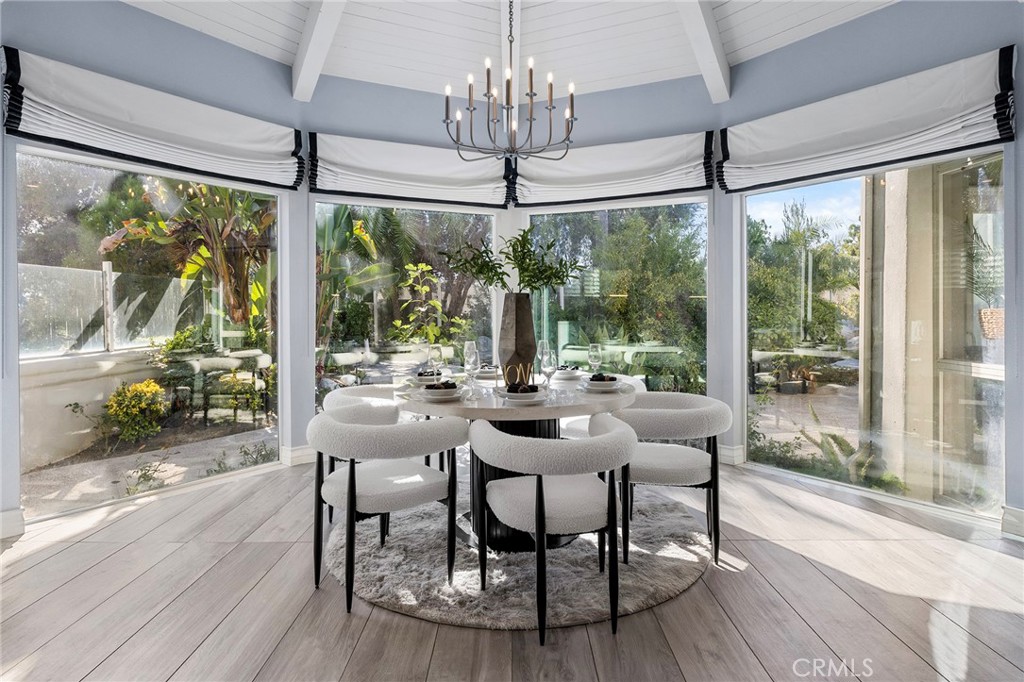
(379, 479)
(577, 427)
(559, 495)
(675, 417)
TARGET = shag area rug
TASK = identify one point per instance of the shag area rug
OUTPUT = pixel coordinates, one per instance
(668, 552)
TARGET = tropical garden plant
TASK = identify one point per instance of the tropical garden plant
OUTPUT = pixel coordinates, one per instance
(535, 264)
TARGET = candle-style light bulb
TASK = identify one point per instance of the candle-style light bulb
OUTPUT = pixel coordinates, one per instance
(567, 119)
(551, 89)
(469, 80)
(448, 102)
(508, 87)
(494, 101)
(487, 67)
(515, 127)
(458, 126)
(529, 66)
(572, 99)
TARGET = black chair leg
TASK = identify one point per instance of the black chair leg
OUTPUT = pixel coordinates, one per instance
(350, 535)
(613, 550)
(318, 519)
(600, 550)
(627, 491)
(330, 509)
(707, 512)
(452, 494)
(632, 491)
(540, 539)
(481, 546)
(383, 521)
(717, 532)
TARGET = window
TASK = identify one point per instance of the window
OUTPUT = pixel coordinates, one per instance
(147, 318)
(642, 295)
(875, 331)
(385, 291)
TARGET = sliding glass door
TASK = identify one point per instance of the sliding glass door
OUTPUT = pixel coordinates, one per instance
(875, 331)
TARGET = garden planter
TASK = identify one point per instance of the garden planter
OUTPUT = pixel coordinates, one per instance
(518, 346)
(992, 322)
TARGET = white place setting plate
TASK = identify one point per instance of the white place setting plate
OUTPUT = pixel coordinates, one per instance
(486, 373)
(523, 398)
(443, 395)
(601, 386)
(567, 374)
(423, 381)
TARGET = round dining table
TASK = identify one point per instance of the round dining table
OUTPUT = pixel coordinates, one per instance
(565, 398)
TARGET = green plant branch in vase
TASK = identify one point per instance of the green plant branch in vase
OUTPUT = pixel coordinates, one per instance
(535, 265)
(536, 268)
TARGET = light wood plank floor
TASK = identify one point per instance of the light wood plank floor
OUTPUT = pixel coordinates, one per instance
(215, 583)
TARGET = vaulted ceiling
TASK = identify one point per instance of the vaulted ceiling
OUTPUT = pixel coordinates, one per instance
(424, 44)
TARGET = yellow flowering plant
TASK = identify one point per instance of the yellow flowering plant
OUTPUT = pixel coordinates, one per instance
(136, 409)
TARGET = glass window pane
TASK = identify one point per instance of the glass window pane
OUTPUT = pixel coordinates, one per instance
(875, 335)
(642, 295)
(59, 309)
(177, 280)
(384, 290)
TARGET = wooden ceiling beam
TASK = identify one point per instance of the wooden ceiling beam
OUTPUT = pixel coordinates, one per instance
(706, 42)
(317, 35)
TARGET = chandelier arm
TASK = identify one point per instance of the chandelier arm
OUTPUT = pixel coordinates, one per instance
(485, 154)
(538, 155)
(471, 140)
(551, 125)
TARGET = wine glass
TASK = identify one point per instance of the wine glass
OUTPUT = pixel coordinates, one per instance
(471, 362)
(548, 365)
(594, 357)
(435, 357)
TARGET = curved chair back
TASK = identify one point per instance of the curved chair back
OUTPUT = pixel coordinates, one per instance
(611, 447)
(376, 394)
(676, 416)
(364, 431)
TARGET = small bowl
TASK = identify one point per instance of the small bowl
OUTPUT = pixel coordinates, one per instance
(440, 392)
(524, 397)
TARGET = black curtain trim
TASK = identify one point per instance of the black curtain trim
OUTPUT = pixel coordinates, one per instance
(865, 167)
(389, 197)
(1006, 68)
(300, 171)
(314, 160)
(619, 197)
(511, 177)
(709, 157)
(14, 91)
(723, 135)
(152, 162)
(1004, 100)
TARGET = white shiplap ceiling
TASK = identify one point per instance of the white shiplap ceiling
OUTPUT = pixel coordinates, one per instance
(424, 44)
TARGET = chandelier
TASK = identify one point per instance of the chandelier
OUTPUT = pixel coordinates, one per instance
(501, 120)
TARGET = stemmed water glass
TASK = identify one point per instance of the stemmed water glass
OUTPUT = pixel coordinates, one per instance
(594, 357)
(435, 357)
(471, 362)
(548, 365)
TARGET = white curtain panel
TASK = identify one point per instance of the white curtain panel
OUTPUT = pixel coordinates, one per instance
(958, 106)
(357, 167)
(54, 102)
(645, 168)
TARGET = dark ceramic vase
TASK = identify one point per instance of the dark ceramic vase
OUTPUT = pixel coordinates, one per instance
(517, 347)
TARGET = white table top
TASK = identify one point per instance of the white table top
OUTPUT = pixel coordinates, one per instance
(564, 400)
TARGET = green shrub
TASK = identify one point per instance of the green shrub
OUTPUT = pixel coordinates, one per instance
(136, 409)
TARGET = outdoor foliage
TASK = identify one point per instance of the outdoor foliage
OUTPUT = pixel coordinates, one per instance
(422, 315)
(217, 233)
(136, 409)
(534, 261)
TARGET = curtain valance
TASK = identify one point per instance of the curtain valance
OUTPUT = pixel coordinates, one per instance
(373, 169)
(53, 102)
(954, 107)
(646, 168)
